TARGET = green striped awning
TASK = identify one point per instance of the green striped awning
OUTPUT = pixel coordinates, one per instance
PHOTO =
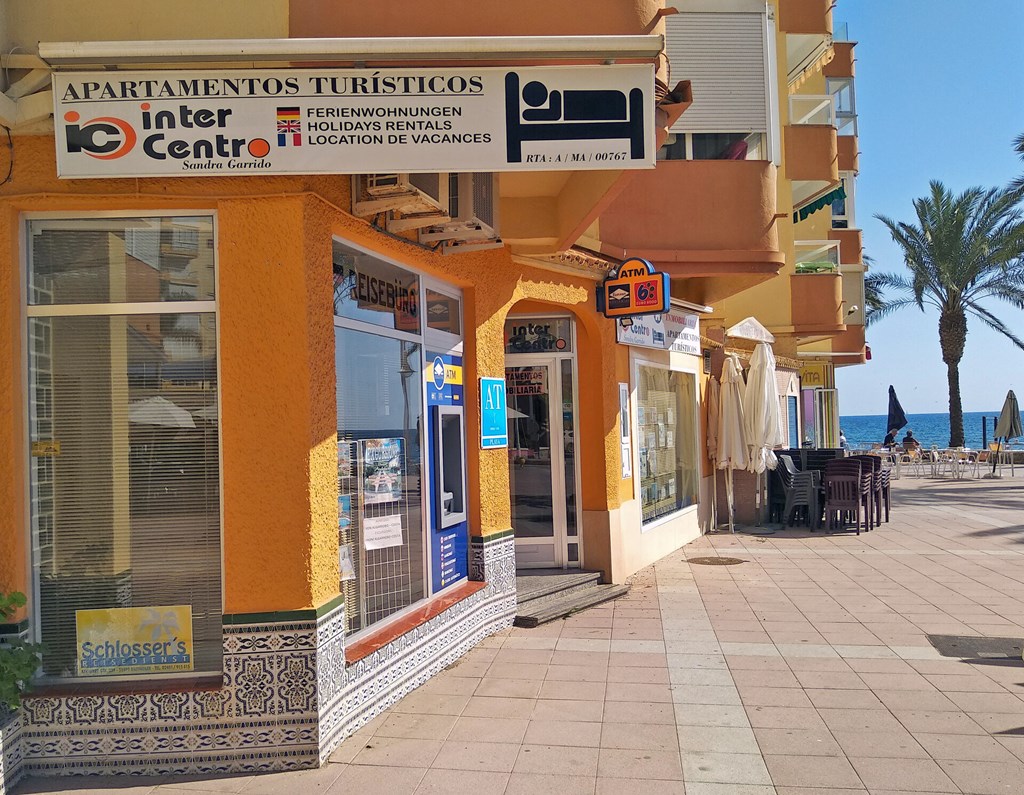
(817, 204)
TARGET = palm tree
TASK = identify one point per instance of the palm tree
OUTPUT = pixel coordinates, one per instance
(874, 297)
(963, 251)
(1018, 145)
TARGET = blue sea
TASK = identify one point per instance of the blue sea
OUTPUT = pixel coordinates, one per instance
(928, 429)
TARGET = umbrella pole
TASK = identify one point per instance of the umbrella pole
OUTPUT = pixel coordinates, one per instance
(728, 494)
(714, 497)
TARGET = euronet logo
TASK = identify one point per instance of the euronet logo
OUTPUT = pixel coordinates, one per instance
(179, 134)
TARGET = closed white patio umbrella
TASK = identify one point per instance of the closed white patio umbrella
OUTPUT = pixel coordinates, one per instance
(712, 399)
(732, 444)
(763, 424)
(761, 410)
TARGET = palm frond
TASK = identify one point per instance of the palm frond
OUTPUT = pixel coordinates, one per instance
(995, 323)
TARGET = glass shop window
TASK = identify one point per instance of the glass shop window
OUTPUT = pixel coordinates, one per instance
(667, 436)
(125, 461)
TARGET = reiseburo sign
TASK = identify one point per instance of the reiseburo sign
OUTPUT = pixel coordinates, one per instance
(147, 124)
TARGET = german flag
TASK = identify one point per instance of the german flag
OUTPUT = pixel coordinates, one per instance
(288, 123)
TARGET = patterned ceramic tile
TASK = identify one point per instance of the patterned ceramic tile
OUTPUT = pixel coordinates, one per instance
(287, 701)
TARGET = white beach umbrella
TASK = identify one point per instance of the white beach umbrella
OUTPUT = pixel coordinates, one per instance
(159, 411)
(763, 425)
(732, 444)
(711, 404)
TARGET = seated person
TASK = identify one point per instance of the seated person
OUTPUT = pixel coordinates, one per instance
(890, 438)
(909, 442)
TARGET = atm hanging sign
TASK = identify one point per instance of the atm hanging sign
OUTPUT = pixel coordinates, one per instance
(635, 288)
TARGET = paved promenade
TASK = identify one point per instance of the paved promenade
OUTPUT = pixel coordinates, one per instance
(804, 670)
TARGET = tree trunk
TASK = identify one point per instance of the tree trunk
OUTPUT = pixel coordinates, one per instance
(952, 337)
(956, 412)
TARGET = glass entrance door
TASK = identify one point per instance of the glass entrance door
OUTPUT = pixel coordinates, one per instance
(542, 464)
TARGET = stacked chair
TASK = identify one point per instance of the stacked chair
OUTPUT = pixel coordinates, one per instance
(880, 495)
(849, 489)
(794, 489)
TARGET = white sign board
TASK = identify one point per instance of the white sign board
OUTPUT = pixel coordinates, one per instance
(353, 121)
(675, 331)
(645, 331)
(682, 332)
(380, 532)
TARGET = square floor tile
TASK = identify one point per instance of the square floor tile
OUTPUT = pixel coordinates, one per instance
(826, 772)
(557, 759)
(631, 763)
(921, 775)
(493, 757)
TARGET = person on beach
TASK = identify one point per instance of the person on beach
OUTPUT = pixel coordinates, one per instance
(909, 442)
(890, 438)
(842, 439)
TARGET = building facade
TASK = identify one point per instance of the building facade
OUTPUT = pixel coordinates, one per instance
(278, 437)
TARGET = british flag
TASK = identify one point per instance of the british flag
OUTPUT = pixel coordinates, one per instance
(288, 123)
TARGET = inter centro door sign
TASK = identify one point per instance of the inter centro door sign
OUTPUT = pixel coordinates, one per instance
(634, 289)
(354, 121)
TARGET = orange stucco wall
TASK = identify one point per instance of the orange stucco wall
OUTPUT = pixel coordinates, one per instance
(400, 18)
(276, 337)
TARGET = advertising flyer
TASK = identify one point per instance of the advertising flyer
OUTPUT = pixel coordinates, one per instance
(134, 640)
(382, 470)
(381, 532)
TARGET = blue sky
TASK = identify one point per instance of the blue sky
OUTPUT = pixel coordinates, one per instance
(940, 95)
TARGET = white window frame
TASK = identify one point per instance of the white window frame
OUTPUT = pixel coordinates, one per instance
(109, 309)
(849, 183)
(674, 363)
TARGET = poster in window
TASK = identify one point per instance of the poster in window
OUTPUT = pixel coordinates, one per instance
(344, 459)
(346, 566)
(381, 532)
(344, 512)
(382, 471)
(120, 641)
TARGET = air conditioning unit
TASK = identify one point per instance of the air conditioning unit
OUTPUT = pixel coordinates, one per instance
(473, 211)
(419, 199)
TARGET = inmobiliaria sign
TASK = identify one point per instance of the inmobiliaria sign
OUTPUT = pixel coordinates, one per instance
(147, 124)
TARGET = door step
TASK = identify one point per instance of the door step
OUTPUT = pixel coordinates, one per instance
(547, 594)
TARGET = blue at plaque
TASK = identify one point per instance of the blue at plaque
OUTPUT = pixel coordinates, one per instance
(493, 414)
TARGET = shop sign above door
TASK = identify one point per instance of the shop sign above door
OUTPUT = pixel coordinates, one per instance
(675, 331)
(634, 288)
(354, 121)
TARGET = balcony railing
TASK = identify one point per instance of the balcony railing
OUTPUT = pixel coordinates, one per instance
(812, 109)
(816, 256)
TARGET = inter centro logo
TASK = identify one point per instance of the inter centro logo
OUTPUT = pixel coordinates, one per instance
(107, 137)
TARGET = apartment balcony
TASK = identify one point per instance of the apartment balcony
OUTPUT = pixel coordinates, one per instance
(709, 221)
(816, 289)
(842, 63)
(853, 294)
(851, 245)
(806, 17)
(848, 346)
(847, 151)
(469, 18)
(808, 28)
